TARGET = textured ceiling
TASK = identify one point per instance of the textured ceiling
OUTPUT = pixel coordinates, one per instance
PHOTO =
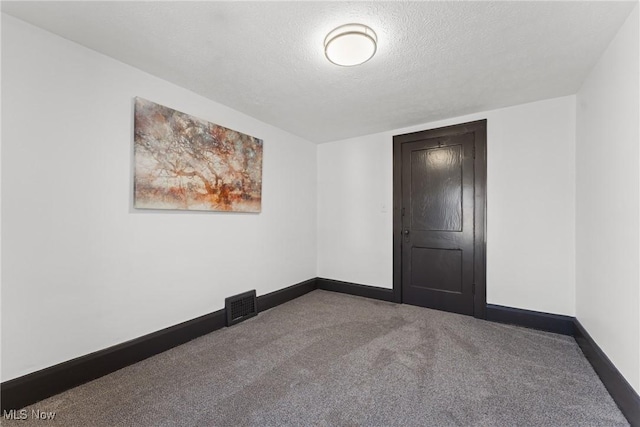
(434, 59)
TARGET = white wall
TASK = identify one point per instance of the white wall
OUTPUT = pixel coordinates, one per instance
(355, 188)
(608, 214)
(82, 270)
(530, 198)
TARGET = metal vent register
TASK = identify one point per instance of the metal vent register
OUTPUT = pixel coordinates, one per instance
(241, 307)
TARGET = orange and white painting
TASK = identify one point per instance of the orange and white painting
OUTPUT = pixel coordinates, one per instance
(183, 162)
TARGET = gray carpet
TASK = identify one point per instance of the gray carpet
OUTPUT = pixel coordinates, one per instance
(329, 359)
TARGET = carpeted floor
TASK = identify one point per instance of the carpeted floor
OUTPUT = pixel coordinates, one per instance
(329, 359)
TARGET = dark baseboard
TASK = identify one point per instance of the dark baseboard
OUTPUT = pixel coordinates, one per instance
(31, 388)
(355, 289)
(273, 299)
(623, 394)
(620, 390)
(531, 319)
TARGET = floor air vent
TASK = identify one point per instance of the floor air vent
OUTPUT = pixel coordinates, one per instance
(241, 307)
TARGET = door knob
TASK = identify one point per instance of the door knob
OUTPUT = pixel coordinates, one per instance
(405, 232)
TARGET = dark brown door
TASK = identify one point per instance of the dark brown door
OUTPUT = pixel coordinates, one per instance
(438, 221)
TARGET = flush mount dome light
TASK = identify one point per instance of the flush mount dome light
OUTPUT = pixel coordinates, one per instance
(350, 44)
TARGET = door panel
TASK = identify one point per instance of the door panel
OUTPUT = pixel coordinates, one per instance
(437, 269)
(436, 173)
(438, 222)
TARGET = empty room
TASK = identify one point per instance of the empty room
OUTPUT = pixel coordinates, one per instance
(329, 213)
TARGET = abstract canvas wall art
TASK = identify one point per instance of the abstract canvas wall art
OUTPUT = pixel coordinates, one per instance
(183, 162)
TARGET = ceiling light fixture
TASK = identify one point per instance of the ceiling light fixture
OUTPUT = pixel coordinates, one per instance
(350, 44)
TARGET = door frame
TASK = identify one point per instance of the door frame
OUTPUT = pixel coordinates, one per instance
(478, 127)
